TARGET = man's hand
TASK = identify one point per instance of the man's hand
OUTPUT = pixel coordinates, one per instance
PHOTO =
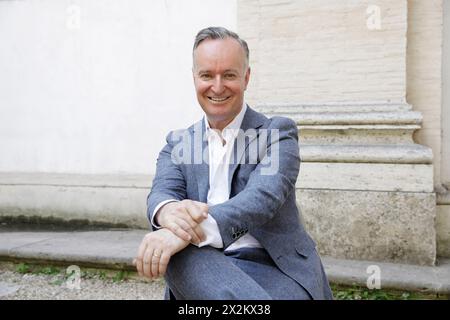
(183, 219)
(155, 251)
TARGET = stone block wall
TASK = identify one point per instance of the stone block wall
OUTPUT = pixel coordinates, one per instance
(340, 68)
(319, 51)
(424, 76)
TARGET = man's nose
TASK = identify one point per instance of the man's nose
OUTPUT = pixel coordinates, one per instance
(218, 86)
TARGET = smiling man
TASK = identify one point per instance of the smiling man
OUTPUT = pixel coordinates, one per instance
(221, 74)
(226, 228)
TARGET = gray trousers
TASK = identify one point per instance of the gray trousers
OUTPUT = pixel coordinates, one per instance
(246, 274)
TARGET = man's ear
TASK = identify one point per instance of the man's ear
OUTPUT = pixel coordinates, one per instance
(247, 77)
(194, 76)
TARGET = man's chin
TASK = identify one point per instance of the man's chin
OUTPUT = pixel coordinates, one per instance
(218, 107)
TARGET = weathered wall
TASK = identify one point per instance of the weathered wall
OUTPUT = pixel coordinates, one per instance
(97, 95)
(424, 76)
(445, 122)
(316, 51)
(443, 210)
(425, 91)
(339, 68)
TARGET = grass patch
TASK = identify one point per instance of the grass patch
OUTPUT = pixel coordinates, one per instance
(120, 276)
(86, 273)
(49, 270)
(341, 292)
(37, 269)
(23, 268)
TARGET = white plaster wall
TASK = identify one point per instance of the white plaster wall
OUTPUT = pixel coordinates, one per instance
(446, 96)
(93, 87)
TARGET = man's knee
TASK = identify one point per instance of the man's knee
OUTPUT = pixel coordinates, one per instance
(206, 273)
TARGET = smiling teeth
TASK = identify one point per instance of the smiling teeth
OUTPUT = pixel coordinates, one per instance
(218, 99)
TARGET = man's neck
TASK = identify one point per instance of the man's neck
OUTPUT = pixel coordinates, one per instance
(222, 124)
(219, 125)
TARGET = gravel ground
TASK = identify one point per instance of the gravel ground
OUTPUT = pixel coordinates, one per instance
(20, 282)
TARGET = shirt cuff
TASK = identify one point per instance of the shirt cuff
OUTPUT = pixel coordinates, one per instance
(212, 233)
(159, 206)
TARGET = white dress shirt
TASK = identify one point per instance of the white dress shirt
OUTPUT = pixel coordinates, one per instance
(219, 159)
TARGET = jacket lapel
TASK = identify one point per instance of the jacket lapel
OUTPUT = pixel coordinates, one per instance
(252, 120)
(201, 160)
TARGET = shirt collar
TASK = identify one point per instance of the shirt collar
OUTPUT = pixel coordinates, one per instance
(232, 129)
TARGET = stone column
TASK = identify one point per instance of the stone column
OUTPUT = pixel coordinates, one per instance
(339, 69)
(443, 208)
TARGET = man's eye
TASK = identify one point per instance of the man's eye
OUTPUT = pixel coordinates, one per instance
(230, 76)
(205, 76)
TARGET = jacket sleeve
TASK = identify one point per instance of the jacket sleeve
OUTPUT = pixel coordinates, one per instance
(169, 182)
(264, 193)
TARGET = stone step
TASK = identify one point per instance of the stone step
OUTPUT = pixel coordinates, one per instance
(351, 107)
(350, 123)
(356, 134)
(401, 154)
(117, 248)
(410, 118)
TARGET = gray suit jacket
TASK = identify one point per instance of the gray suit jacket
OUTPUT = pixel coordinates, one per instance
(262, 204)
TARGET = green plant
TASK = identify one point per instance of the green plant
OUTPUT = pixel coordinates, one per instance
(23, 268)
(120, 276)
(48, 270)
(341, 292)
(102, 275)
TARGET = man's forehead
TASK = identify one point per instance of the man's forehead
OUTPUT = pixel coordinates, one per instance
(228, 41)
(219, 47)
(211, 51)
(206, 69)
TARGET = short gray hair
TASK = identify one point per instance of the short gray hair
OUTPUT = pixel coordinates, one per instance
(220, 33)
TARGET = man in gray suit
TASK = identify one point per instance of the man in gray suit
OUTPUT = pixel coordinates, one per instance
(222, 204)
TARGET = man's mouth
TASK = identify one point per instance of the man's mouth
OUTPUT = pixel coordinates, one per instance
(218, 99)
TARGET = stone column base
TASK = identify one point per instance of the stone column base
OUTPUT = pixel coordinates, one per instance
(371, 225)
